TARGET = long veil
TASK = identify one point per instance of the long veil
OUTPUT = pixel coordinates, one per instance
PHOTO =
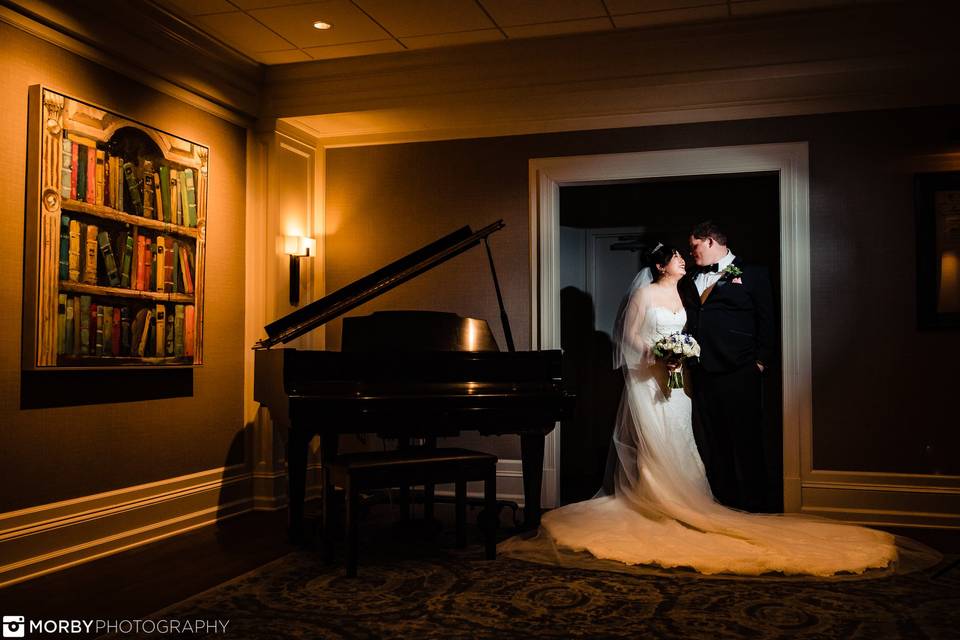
(656, 513)
(652, 469)
(624, 351)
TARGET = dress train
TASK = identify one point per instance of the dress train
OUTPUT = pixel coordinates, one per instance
(662, 514)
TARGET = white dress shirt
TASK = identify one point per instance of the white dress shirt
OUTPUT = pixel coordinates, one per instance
(706, 280)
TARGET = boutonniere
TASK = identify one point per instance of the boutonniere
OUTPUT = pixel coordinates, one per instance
(732, 272)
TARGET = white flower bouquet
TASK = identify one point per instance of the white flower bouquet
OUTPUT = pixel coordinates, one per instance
(675, 349)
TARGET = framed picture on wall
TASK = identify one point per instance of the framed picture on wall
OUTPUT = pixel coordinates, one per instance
(115, 240)
(938, 249)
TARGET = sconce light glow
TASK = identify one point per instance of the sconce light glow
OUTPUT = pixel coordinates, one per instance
(299, 246)
(322, 25)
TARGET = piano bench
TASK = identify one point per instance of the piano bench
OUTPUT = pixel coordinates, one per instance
(357, 472)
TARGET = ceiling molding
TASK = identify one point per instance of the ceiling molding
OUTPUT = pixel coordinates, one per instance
(329, 137)
(150, 45)
(852, 59)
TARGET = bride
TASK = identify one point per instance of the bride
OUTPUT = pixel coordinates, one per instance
(661, 511)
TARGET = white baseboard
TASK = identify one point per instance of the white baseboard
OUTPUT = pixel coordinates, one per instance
(50, 537)
(509, 482)
(269, 490)
(896, 502)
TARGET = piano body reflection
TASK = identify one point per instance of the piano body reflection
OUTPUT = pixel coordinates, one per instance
(407, 374)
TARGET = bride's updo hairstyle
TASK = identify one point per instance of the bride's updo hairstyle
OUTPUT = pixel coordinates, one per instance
(659, 256)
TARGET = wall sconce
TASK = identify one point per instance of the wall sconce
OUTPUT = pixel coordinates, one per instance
(297, 247)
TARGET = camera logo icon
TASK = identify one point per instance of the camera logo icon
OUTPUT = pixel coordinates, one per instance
(13, 626)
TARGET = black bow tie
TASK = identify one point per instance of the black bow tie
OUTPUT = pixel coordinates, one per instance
(710, 268)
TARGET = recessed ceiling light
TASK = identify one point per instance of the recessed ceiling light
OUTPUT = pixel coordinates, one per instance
(322, 25)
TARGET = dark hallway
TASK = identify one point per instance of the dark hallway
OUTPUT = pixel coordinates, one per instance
(650, 211)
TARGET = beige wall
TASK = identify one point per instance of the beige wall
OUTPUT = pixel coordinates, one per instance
(871, 410)
(52, 454)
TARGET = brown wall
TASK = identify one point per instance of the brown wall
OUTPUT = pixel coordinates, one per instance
(51, 454)
(871, 409)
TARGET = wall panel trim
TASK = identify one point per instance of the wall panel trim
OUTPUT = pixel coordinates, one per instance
(870, 497)
(49, 537)
(908, 505)
(790, 161)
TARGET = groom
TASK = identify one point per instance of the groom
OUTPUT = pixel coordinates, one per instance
(730, 313)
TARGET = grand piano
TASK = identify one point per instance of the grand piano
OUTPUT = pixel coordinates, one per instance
(407, 374)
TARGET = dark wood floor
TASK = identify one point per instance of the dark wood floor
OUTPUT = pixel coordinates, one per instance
(946, 541)
(141, 581)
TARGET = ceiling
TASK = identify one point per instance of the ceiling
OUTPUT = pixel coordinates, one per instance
(281, 31)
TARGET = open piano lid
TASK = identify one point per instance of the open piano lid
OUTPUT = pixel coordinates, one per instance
(319, 312)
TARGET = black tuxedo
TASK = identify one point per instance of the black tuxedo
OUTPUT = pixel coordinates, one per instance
(734, 327)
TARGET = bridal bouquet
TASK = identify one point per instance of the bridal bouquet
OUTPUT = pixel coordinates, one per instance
(676, 348)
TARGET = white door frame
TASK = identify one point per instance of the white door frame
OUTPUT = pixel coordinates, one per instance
(790, 160)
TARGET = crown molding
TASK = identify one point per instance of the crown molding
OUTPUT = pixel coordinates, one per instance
(855, 58)
(718, 100)
(143, 41)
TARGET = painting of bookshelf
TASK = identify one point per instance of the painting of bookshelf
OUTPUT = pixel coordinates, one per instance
(115, 238)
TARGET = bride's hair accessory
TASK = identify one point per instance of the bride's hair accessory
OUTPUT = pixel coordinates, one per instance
(657, 258)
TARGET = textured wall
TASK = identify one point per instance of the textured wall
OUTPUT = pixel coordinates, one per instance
(51, 454)
(871, 409)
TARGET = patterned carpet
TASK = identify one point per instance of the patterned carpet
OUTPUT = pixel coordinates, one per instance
(443, 593)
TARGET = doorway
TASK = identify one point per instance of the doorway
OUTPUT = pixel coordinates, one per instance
(790, 161)
(602, 230)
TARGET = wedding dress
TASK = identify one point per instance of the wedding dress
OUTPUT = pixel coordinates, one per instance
(662, 513)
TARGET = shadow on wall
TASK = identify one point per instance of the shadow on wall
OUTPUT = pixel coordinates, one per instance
(232, 492)
(748, 208)
(47, 389)
(588, 371)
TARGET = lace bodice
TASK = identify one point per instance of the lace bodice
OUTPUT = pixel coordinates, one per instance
(669, 322)
(661, 321)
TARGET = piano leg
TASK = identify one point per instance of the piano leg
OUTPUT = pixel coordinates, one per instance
(297, 442)
(403, 444)
(461, 512)
(493, 514)
(329, 444)
(531, 453)
(353, 539)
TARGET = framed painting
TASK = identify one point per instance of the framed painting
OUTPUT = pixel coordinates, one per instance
(115, 239)
(938, 249)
